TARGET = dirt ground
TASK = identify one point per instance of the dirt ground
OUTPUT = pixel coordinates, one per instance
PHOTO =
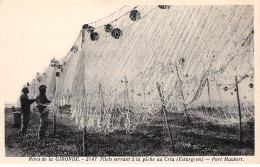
(197, 139)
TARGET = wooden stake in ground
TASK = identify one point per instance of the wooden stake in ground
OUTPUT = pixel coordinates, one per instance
(208, 91)
(165, 116)
(34, 84)
(102, 112)
(239, 112)
(55, 95)
(219, 94)
(101, 95)
(84, 141)
(102, 102)
(185, 108)
(54, 124)
(209, 100)
(127, 100)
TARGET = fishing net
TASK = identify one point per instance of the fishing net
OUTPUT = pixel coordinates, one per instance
(112, 83)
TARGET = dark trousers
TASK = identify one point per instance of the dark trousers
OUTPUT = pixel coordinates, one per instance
(25, 123)
(43, 124)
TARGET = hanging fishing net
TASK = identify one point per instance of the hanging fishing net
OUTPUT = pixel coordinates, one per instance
(112, 83)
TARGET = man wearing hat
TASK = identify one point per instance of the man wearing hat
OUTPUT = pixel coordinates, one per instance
(25, 109)
(42, 103)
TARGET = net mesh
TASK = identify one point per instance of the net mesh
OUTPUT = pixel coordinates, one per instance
(112, 84)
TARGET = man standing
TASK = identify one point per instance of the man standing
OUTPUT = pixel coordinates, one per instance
(42, 103)
(25, 109)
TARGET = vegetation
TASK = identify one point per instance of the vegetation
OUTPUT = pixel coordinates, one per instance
(197, 138)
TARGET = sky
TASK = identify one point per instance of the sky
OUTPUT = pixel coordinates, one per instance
(32, 32)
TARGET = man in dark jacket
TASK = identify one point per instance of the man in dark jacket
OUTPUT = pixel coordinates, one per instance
(25, 109)
(42, 103)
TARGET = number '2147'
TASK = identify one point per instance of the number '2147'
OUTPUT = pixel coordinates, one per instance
(91, 158)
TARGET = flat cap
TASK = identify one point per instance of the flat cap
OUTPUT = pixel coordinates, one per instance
(25, 88)
(42, 87)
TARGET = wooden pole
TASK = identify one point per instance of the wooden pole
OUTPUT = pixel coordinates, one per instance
(165, 116)
(208, 92)
(127, 100)
(239, 112)
(34, 84)
(102, 101)
(209, 99)
(219, 94)
(54, 92)
(54, 124)
(102, 97)
(102, 112)
(185, 108)
(84, 141)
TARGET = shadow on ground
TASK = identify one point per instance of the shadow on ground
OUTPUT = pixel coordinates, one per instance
(151, 139)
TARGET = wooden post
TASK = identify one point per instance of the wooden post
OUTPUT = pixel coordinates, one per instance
(127, 100)
(34, 84)
(127, 94)
(55, 93)
(102, 112)
(84, 141)
(165, 116)
(185, 108)
(54, 115)
(239, 112)
(219, 94)
(54, 124)
(34, 88)
(209, 99)
(127, 91)
(102, 102)
(101, 95)
(208, 92)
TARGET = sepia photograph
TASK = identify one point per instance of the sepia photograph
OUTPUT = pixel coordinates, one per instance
(131, 81)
